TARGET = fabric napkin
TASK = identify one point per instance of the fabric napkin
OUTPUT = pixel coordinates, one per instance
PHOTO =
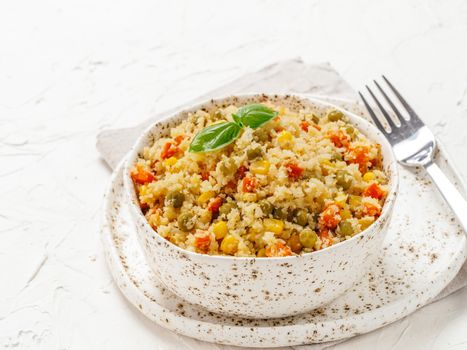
(291, 76)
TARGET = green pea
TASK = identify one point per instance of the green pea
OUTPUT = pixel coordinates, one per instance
(262, 134)
(266, 207)
(175, 199)
(343, 179)
(308, 238)
(254, 153)
(300, 217)
(350, 130)
(345, 228)
(280, 213)
(227, 207)
(186, 221)
(334, 116)
(228, 167)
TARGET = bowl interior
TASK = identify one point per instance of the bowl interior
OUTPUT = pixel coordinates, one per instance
(162, 128)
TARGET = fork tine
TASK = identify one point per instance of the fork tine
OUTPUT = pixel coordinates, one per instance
(389, 120)
(399, 96)
(408, 108)
(373, 115)
(402, 120)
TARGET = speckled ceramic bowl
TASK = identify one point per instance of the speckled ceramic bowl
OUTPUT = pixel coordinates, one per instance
(261, 287)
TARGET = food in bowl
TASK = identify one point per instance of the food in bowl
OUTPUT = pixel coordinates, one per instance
(260, 180)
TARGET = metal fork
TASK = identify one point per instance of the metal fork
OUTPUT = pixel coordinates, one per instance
(414, 145)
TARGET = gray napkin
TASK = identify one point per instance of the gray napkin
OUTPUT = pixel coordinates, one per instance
(292, 76)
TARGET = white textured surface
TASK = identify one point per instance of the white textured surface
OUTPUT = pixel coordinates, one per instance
(69, 69)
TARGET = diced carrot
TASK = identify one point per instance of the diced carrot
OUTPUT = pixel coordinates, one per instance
(371, 209)
(330, 217)
(214, 206)
(278, 249)
(241, 172)
(204, 175)
(317, 127)
(339, 139)
(169, 150)
(249, 184)
(202, 241)
(178, 139)
(141, 176)
(294, 171)
(374, 191)
(359, 155)
(304, 125)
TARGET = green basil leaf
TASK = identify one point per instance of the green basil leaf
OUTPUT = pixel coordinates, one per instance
(215, 136)
(237, 119)
(255, 115)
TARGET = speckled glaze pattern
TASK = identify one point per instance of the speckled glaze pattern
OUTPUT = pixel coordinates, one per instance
(259, 287)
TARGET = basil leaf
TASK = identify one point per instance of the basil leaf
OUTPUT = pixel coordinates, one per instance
(255, 115)
(237, 119)
(215, 136)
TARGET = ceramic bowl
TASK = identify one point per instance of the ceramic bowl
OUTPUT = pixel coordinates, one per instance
(261, 287)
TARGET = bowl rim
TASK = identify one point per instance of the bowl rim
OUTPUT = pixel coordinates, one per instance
(140, 142)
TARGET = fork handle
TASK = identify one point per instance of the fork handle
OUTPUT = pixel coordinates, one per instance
(449, 192)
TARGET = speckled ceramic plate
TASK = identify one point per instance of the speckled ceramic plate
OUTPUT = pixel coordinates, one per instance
(424, 250)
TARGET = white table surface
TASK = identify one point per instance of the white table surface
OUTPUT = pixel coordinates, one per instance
(69, 69)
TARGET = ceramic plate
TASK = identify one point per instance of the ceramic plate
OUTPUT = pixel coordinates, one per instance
(424, 250)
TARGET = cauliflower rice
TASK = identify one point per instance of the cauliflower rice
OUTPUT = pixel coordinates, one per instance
(299, 183)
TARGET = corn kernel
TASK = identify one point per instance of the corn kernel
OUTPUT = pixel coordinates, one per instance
(273, 225)
(340, 199)
(205, 216)
(170, 213)
(261, 253)
(229, 244)
(285, 138)
(326, 162)
(365, 222)
(170, 162)
(369, 176)
(220, 229)
(345, 214)
(355, 201)
(250, 197)
(260, 167)
(204, 197)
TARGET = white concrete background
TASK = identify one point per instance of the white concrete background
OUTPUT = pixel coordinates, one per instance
(69, 69)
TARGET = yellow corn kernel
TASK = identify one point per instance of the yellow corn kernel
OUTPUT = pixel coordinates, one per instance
(369, 176)
(340, 199)
(220, 229)
(285, 138)
(170, 213)
(229, 244)
(365, 222)
(260, 167)
(281, 110)
(261, 253)
(170, 162)
(206, 217)
(250, 197)
(205, 196)
(345, 214)
(355, 201)
(273, 225)
(326, 162)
